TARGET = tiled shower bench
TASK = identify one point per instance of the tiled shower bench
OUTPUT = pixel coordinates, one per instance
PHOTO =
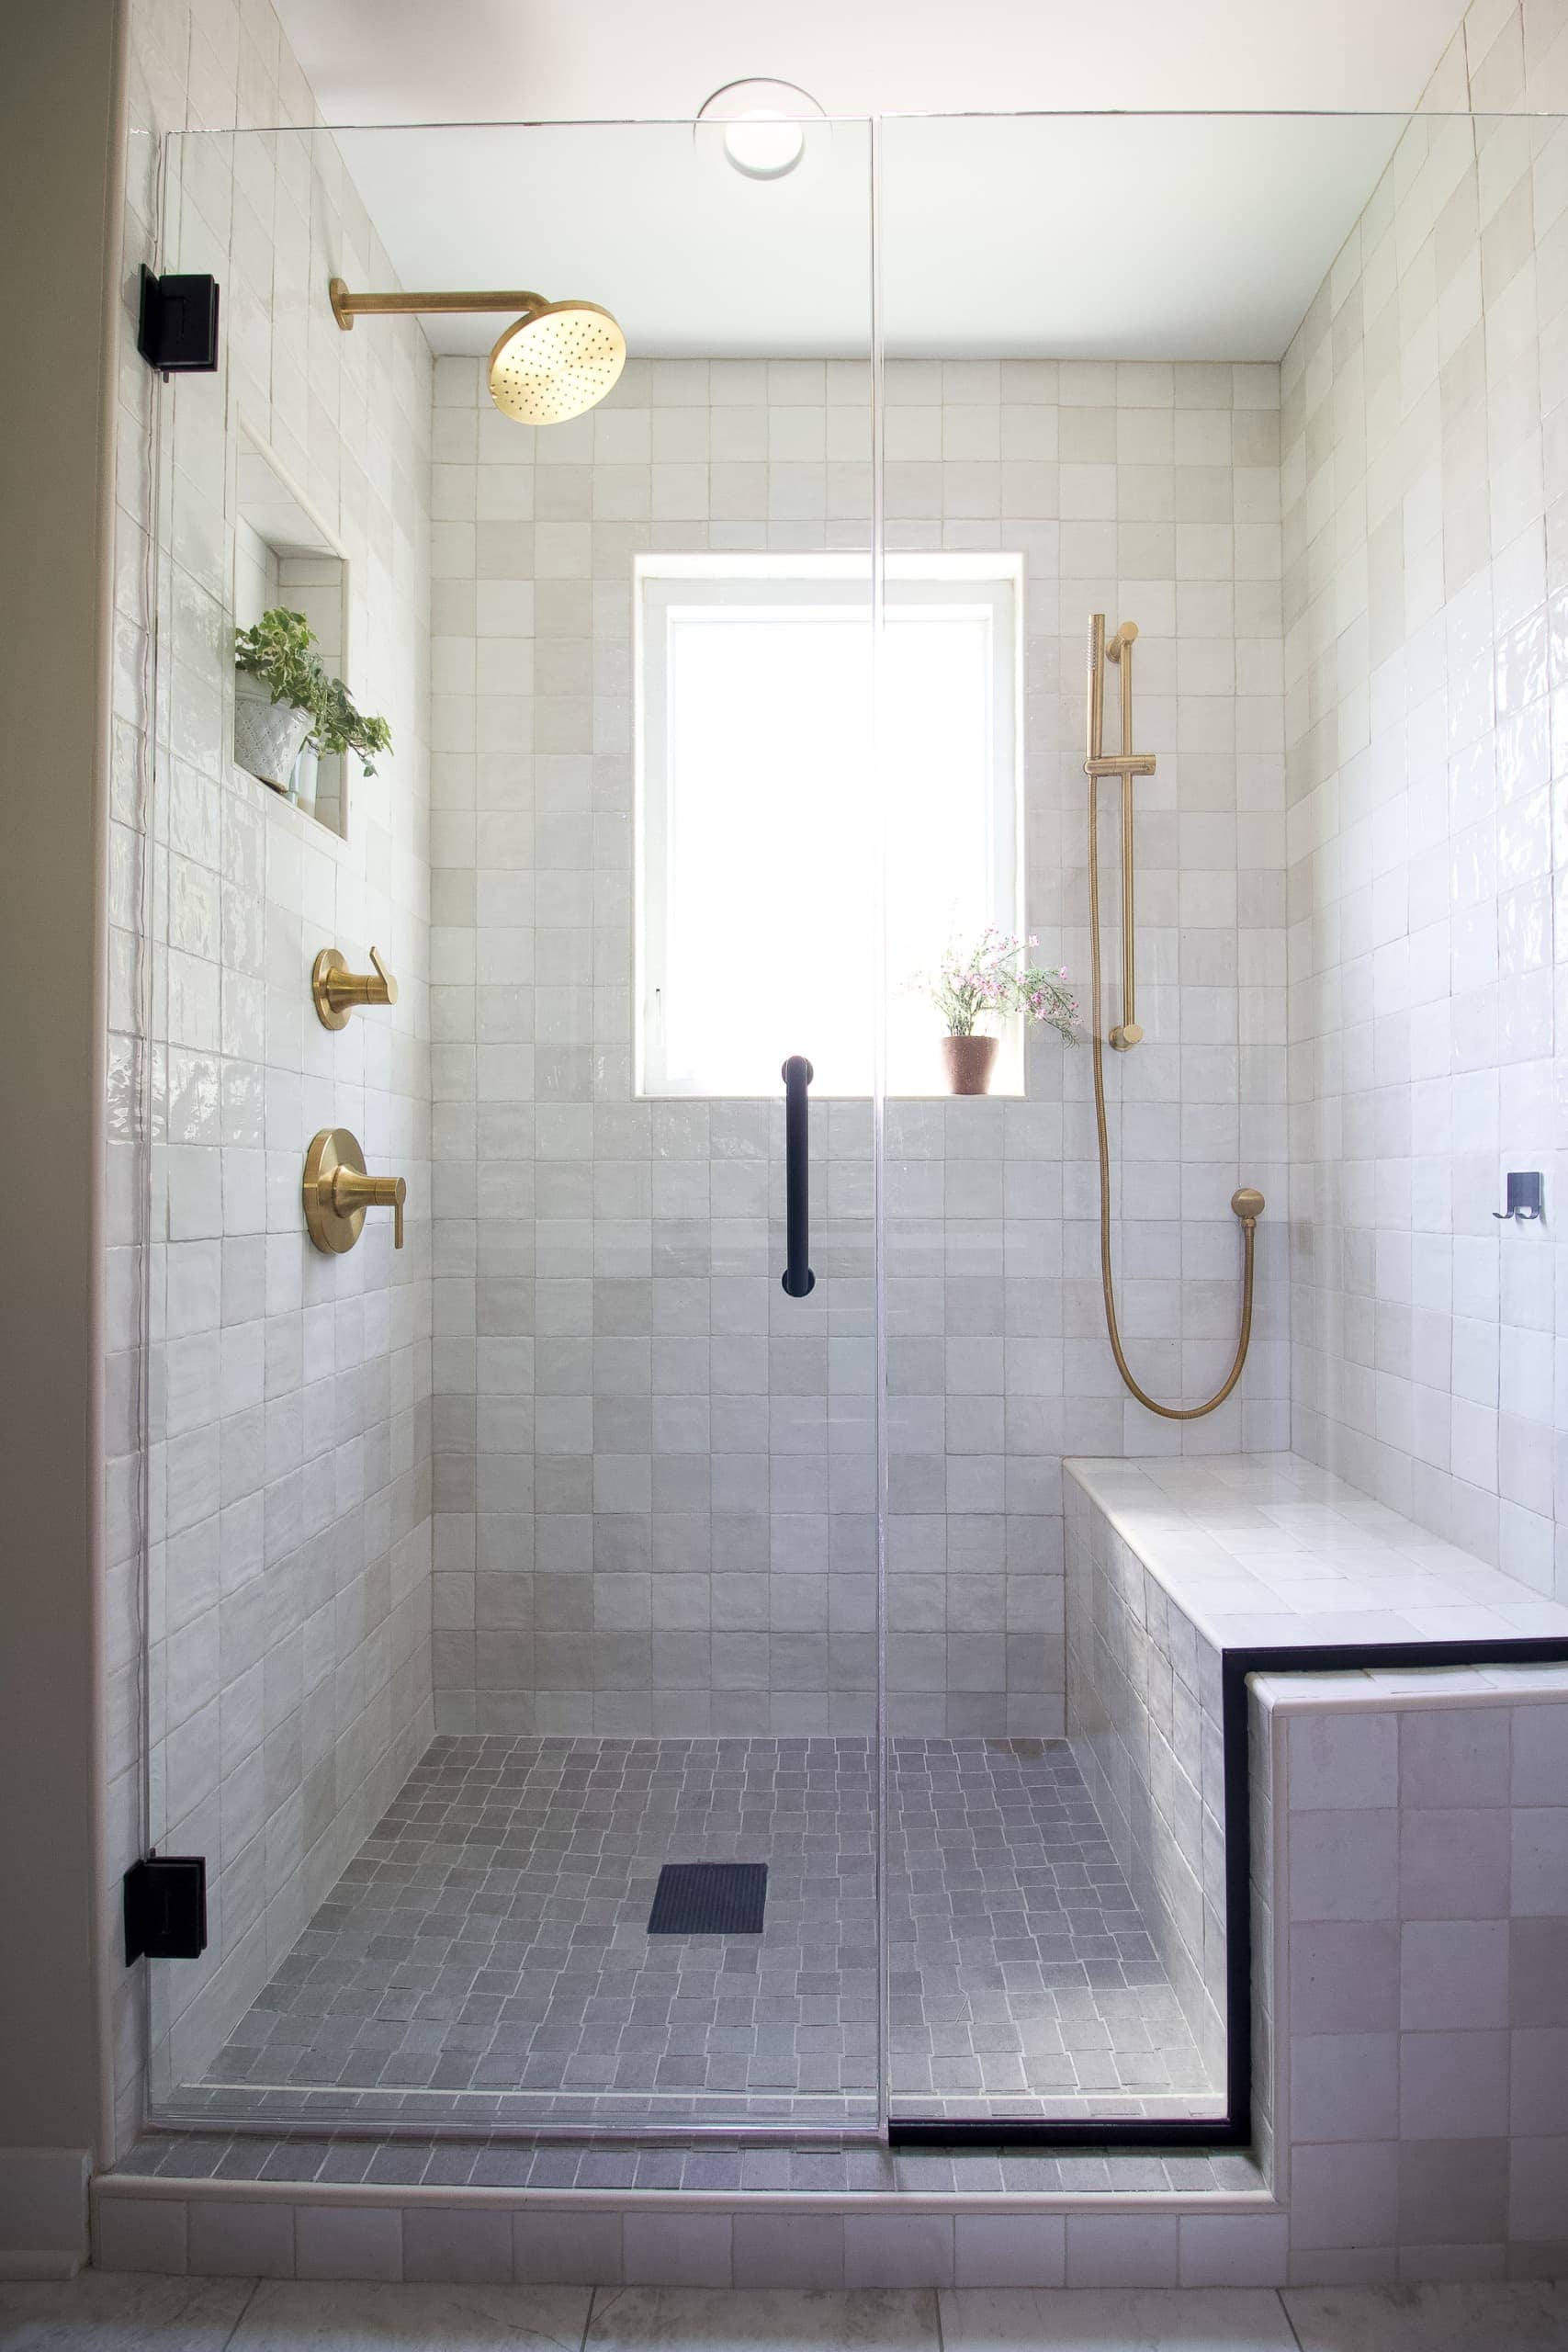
(1331, 1754)
(1381, 1722)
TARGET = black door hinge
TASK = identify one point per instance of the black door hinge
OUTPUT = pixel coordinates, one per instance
(176, 330)
(165, 1907)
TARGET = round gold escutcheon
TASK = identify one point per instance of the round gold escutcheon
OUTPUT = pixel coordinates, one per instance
(332, 1227)
(331, 1015)
(1247, 1204)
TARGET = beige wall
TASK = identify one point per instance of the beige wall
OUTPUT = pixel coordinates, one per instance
(60, 179)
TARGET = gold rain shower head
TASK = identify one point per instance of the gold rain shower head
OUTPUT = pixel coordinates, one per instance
(556, 361)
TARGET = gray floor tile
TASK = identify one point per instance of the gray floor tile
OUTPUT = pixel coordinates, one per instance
(289, 2315)
(113, 2311)
(486, 1950)
(698, 2319)
(1527, 2318)
(1106, 2319)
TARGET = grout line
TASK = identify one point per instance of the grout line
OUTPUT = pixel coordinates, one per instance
(240, 2314)
(1290, 2323)
(941, 2338)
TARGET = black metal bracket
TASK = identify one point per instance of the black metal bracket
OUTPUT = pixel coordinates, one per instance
(165, 1908)
(1525, 1200)
(176, 327)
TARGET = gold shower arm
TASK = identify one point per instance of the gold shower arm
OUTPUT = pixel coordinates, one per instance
(347, 307)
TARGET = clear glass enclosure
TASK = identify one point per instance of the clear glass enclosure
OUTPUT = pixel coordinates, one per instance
(581, 1535)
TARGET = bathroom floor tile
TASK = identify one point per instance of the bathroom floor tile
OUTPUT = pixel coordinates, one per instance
(105, 2311)
(289, 2315)
(698, 2319)
(1066, 2319)
(487, 1954)
(1526, 2318)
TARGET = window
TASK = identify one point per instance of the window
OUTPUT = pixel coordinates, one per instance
(758, 831)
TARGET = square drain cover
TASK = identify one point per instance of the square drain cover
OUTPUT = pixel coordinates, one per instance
(710, 1899)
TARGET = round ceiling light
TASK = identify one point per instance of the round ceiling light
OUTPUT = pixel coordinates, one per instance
(764, 145)
(766, 126)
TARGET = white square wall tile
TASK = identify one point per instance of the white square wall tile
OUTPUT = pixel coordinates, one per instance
(570, 2249)
(348, 2242)
(1009, 2250)
(139, 2234)
(456, 2244)
(1233, 2249)
(799, 2250)
(898, 2250)
(676, 2250)
(1122, 2250)
(231, 2239)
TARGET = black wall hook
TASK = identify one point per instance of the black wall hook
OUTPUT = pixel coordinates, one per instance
(1524, 1196)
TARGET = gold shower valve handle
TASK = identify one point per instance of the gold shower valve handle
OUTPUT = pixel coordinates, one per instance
(352, 1190)
(1125, 1036)
(335, 990)
(337, 1191)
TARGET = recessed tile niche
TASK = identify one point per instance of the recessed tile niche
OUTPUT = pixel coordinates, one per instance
(283, 554)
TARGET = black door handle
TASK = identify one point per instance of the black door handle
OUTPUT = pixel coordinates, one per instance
(798, 1278)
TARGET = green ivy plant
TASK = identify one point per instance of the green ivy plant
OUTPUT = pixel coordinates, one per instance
(278, 652)
(341, 726)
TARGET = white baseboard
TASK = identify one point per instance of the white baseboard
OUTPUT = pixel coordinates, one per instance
(43, 2211)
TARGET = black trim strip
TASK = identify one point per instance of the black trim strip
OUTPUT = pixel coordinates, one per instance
(1234, 2128)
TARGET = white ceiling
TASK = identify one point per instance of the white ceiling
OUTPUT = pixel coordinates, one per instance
(1176, 238)
(1122, 236)
(460, 61)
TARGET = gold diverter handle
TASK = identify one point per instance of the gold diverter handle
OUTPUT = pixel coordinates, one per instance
(337, 1191)
(1246, 1203)
(335, 990)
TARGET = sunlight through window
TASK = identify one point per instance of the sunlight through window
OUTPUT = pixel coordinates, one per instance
(759, 833)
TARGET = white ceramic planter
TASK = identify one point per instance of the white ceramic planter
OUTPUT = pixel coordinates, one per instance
(268, 734)
(302, 782)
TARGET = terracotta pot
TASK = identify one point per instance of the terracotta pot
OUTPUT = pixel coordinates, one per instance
(968, 1062)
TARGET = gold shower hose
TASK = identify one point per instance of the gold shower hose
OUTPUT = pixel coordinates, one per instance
(1246, 1203)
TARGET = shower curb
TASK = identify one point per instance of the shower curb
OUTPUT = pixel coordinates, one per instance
(169, 2187)
(688, 2238)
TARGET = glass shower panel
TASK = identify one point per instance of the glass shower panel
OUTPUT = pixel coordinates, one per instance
(1090, 421)
(507, 1567)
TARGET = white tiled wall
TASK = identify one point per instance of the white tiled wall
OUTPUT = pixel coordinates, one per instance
(654, 1494)
(1425, 501)
(1412, 1828)
(1145, 1717)
(288, 1604)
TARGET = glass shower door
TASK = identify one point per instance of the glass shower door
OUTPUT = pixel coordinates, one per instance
(1079, 434)
(511, 1564)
